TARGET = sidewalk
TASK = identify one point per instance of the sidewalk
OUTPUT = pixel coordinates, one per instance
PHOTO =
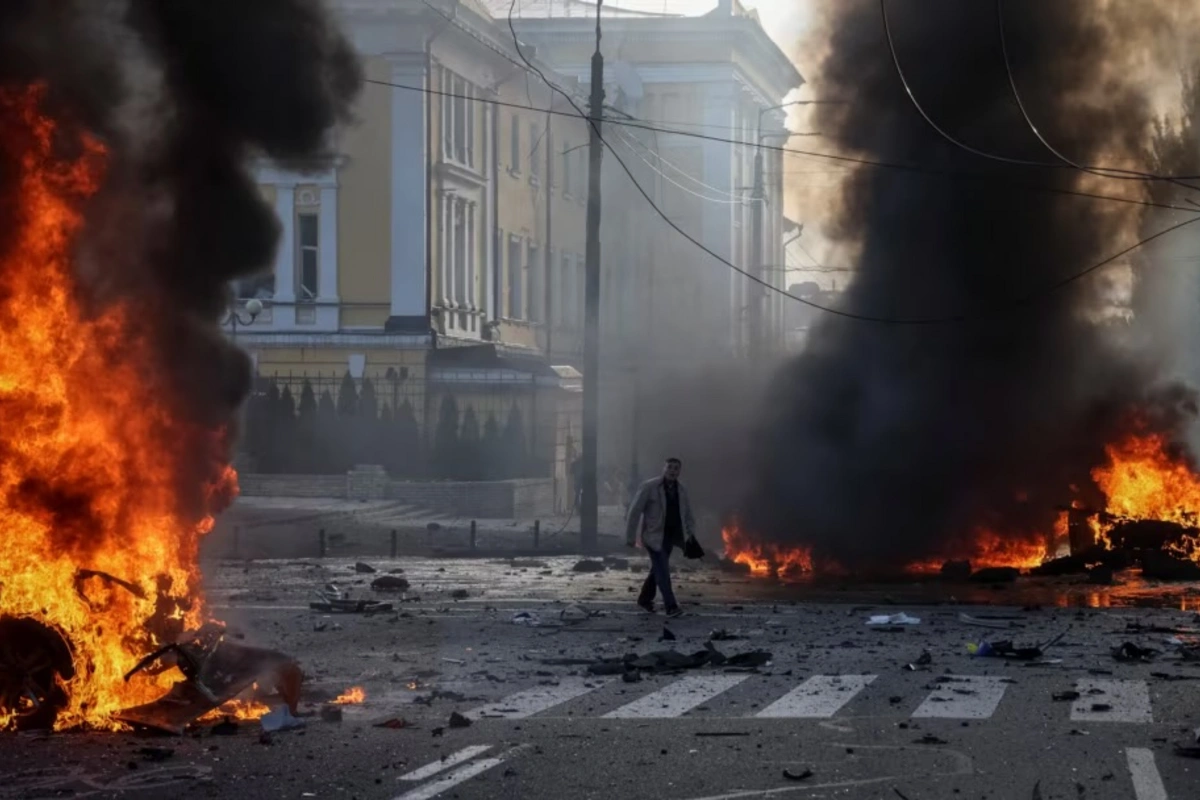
(284, 527)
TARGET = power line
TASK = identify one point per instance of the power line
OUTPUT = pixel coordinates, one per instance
(731, 200)
(1113, 173)
(1012, 83)
(866, 162)
(948, 319)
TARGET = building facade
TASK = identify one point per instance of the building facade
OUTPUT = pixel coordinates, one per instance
(434, 271)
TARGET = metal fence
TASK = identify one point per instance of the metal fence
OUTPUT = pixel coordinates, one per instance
(416, 429)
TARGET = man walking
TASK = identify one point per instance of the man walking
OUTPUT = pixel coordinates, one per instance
(663, 513)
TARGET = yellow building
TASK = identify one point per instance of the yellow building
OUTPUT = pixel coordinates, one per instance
(433, 273)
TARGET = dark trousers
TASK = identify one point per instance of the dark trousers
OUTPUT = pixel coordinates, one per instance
(659, 578)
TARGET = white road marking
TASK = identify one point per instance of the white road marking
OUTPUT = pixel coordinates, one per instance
(819, 697)
(677, 698)
(964, 697)
(431, 790)
(539, 698)
(1129, 701)
(1147, 783)
(452, 760)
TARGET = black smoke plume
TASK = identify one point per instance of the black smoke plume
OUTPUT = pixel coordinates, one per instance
(184, 95)
(887, 443)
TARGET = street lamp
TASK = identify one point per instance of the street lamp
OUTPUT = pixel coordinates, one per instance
(757, 200)
(233, 316)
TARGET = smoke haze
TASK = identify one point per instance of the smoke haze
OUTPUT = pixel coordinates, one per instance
(887, 443)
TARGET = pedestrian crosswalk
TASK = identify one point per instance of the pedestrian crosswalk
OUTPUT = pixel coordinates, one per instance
(948, 697)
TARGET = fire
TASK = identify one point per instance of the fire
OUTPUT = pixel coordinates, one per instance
(246, 710)
(351, 697)
(764, 559)
(93, 542)
(1142, 481)
(988, 549)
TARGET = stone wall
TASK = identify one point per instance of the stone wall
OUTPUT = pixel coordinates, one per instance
(512, 499)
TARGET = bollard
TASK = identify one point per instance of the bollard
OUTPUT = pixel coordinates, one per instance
(322, 547)
(394, 543)
(472, 534)
(537, 532)
(237, 541)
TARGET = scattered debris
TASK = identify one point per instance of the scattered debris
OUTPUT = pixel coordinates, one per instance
(390, 583)
(929, 738)
(1129, 651)
(722, 733)
(460, 594)
(363, 568)
(613, 562)
(1164, 566)
(667, 635)
(226, 727)
(331, 713)
(457, 720)
(587, 565)
(924, 660)
(215, 671)
(996, 575)
(395, 723)
(631, 676)
(1102, 575)
(1005, 649)
(156, 753)
(1065, 565)
(797, 776)
(1060, 697)
(722, 635)
(956, 570)
(281, 719)
(526, 618)
(985, 622)
(893, 619)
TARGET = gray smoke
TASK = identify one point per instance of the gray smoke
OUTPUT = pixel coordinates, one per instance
(883, 443)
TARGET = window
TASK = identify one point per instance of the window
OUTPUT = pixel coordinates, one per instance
(308, 255)
(567, 157)
(533, 269)
(514, 155)
(458, 119)
(535, 162)
(516, 279)
(260, 286)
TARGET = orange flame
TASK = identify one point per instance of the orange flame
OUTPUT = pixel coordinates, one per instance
(87, 479)
(764, 559)
(246, 710)
(351, 697)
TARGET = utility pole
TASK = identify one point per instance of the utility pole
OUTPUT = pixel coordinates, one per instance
(589, 533)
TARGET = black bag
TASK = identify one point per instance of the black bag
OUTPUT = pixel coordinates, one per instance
(692, 548)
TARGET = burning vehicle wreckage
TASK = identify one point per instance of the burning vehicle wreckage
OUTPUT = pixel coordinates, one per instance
(37, 666)
(127, 211)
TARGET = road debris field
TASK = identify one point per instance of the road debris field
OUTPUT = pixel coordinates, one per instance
(486, 678)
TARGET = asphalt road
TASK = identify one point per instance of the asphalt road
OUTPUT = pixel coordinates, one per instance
(836, 712)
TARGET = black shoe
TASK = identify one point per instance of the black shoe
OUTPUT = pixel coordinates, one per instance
(647, 607)
(675, 612)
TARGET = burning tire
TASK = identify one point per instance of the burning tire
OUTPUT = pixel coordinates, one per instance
(33, 659)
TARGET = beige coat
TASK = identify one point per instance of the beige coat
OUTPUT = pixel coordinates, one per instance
(648, 511)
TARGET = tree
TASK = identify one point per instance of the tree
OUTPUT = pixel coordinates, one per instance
(445, 438)
(408, 453)
(285, 431)
(326, 435)
(492, 450)
(306, 452)
(514, 455)
(369, 448)
(470, 456)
